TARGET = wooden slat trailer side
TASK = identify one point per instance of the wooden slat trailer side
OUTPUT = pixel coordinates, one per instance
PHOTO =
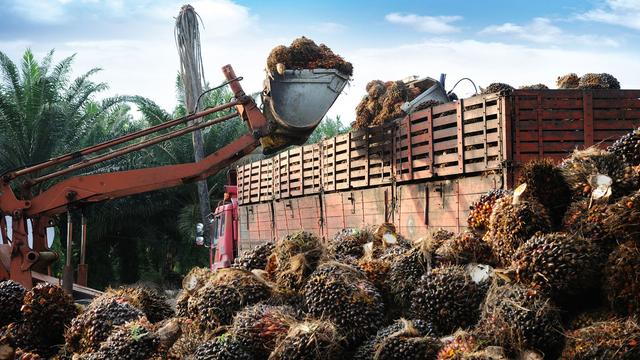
(425, 170)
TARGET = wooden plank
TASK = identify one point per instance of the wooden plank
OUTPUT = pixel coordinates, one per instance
(446, 120)
(551, 136)
(616, 103)
(480, 112)
(560, 125)
(480, 126)
(588, 119)
(481, 153)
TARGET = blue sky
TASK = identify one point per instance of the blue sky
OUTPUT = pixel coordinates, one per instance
(518, 42)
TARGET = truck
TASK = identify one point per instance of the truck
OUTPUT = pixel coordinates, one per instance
(421, 172)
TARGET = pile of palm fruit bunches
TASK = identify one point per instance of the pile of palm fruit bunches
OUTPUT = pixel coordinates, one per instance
(550, 270)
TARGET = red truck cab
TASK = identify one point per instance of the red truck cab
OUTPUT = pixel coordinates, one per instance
(224, 227)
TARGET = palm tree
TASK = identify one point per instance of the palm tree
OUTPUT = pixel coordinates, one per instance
(328, 128)
(43, 112)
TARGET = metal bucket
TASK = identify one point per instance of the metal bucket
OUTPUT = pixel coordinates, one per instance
(299, 99)
(435, 92)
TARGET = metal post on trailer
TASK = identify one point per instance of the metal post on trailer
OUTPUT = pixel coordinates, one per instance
(83, 267)
(67, 277)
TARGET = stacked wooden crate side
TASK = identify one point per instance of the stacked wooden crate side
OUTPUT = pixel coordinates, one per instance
(255, 224)
(358, 159)
(255, 182)
(552, 123)
(450, 139)
(472, 136)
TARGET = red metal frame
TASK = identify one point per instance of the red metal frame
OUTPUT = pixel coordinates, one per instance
(81, 190)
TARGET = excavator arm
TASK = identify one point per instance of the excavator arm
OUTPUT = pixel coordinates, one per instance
(101, 187)
(19, 258)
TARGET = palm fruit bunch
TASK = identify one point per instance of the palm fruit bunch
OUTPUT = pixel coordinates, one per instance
(568, 81)
(297, 256)
(512, 223)
(497, 88)
(404, 272)
(464, 248)
(17, 336)
(383, 102)
(515, 318)
(426, 104)
(370, 105)
(404, 339)
(465, 346)
(182, 304)
(11, 295)
(589, 318)
(88, 330)
(447, 298)
(91, 356)
(223, 347)
(480, 211)
(613, 339)
(557, 264)
(534, 87)
(387, 241)
(254, 258)
(310, 340)
(579, 168)
(342, 294)
(589, 222)
(168, 332)
(547, 185)
(260, 327)
(376, 270)
(150, 301)
(621, 282)
(347, 245)
(304, 53)
(228, 292)
(622, 218)
(441, 235)
(196, 278)
(46, 310)
(190, 337)
(598, 81)
(392, 101)
(627, 148)
(134, 340)
(27, 355)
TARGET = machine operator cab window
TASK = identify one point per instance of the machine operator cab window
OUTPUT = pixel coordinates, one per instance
(217, 229)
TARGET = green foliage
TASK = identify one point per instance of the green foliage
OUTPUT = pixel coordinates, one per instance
(328, 128)
(43, 112)
(145, 237)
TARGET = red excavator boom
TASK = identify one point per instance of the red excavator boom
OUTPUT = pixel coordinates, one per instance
(18, 259)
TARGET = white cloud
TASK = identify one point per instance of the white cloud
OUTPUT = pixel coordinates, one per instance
(44, 12)
(616, 12)
(428, 24)
(329, 28)
(146, 62)
(543, 31)
(221, 18)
